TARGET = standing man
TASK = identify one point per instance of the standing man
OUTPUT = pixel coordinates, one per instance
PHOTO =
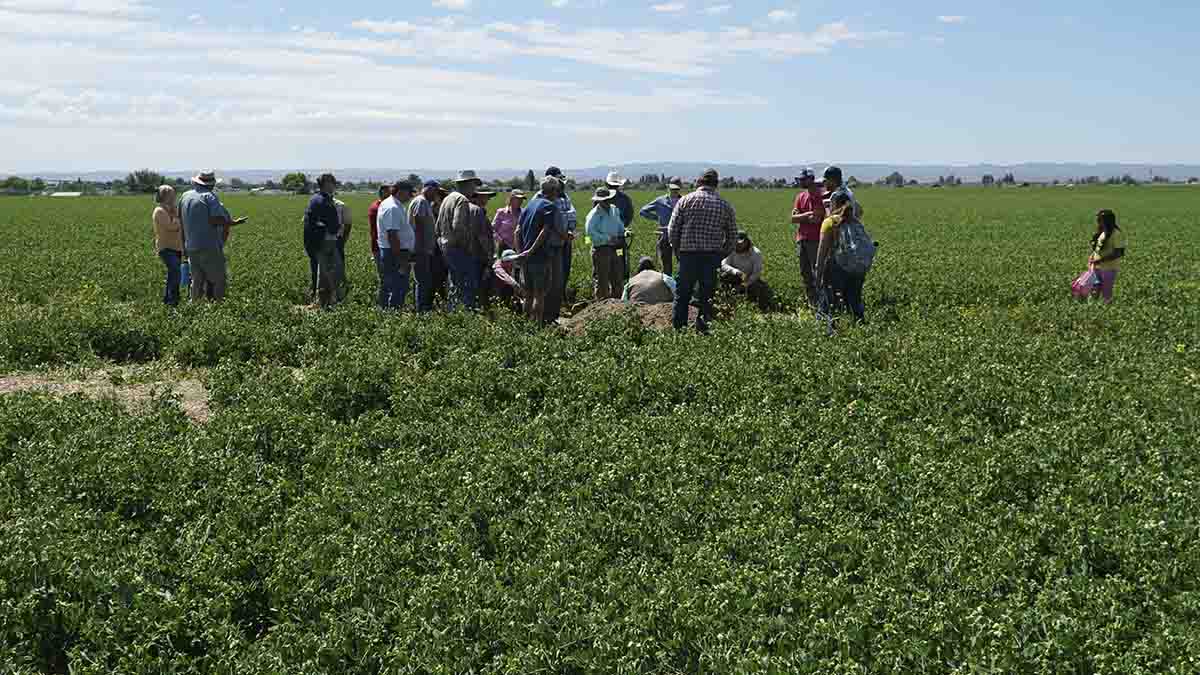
(206, 224)
(343, 211)
(396, 240)
(420, 214)
(373, 222)
(807, 215)
(834, 183)
(624, 205)
(540, 221)
(659, 211)
(702, 231)
(607, 234)
(456, 236)
(321, 229)
(569, 222)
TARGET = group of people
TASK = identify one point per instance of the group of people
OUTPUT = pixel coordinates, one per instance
(441, 238)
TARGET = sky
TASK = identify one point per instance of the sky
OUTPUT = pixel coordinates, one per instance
(444, 84)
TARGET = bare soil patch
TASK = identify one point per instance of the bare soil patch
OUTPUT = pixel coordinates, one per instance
(192, 394)
(654, 317)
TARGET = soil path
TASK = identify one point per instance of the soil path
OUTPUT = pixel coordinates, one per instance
(135, 396)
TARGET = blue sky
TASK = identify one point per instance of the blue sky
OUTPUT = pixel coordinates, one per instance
(489, 83)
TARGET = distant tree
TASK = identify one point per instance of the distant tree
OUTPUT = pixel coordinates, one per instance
(988, 180)
(1160, 179)
(1128, 180)
(179, 182)
(414, 179)
(37, 185)
(144, 180)
(852, 182)
(895, 179)
(294, 182)
(1008, 179)
(270, 185)
(237, 183)
(729, 182)
(650, 180)
(530, 181)
(1193, 180)
(348, 187)
(14, 184)
(913, 183)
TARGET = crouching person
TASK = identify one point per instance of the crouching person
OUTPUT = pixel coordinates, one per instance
(742, 272)
(649, 286)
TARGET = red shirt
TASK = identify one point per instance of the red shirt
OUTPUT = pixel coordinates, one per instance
(373, 219)
(810, 200)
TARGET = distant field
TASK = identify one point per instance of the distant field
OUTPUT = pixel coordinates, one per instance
(986, 478)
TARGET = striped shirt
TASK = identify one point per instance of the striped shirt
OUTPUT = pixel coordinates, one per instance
(702, 222)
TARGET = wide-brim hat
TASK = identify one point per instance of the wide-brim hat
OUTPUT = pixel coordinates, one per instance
(517, 194)
(468, 176)
(616, 180)
(485, 193)
(205, 178)
(807, 173)
(675, 184)
(603, 195)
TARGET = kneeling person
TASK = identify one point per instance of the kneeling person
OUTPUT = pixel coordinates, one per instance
(649, 286)
(742, 270)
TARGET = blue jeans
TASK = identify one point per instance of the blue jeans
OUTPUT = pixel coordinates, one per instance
(695, 269)
(171, 259)
(423, 269)
(393, 270)
(851, 287)
(465, 271)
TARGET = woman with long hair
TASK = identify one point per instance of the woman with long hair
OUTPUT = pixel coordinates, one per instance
(168, 240)
(1108, 247)
(831, 277)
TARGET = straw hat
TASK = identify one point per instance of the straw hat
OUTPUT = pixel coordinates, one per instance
(468, 176)
(603, 195)
(616, 180)
(205, 178)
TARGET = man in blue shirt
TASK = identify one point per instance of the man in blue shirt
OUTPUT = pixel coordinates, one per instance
(206, 224)
(569, 221)
(541, 222)
(659, 211)
(321, 228)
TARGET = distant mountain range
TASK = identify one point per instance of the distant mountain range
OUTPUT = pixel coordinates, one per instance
(1029, 171)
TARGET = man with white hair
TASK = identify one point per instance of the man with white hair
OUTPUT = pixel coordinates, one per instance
(457, 238)
(206, 224)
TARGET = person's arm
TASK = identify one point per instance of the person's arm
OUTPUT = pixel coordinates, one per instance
(598, 238)
(460, 221)
(393, 237)
(727, 267)
(824, 250)
(650, 211)
(1117, 254)
(674, 229)
(346, 222)
(541, 238)
(756, 269)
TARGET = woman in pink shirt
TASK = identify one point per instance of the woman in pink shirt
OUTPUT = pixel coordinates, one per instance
(505, 221)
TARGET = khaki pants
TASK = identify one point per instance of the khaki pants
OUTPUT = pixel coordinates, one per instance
(806, 250)
(608, 275)
(208, 274)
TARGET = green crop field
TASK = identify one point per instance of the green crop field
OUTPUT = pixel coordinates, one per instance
(986, 478)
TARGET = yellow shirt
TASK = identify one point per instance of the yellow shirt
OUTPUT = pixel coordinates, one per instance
(831, 224)
(167, 231)
(1105, 245)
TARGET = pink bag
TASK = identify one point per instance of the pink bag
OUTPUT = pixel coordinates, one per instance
(1085, 284)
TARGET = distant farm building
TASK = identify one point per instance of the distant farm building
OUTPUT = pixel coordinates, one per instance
(66, 194)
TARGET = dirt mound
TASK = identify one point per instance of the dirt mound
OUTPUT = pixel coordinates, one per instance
(134, 396)
(654, 317)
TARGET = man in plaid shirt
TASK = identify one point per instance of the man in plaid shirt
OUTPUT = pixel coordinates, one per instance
(702, 231)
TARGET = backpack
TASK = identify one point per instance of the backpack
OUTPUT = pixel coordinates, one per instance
(855, 250)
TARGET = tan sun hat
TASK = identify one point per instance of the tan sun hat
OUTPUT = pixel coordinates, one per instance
(468, 176)
(603, 195)
(205, 178)
(616, 180)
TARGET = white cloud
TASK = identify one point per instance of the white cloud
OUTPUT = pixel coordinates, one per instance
(669, 7)
(717, 9)
(100, 8)
(453, 5)
(952, 18)
(195, 18)
(559, 4)
(781, 15)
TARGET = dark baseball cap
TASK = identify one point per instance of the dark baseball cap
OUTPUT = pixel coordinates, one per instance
(742, 235)
(554, 171)
(432, 184)
(710, 177)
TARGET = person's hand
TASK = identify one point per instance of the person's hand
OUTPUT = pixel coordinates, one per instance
(571, 235)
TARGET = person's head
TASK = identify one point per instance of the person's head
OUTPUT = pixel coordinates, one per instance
(841, 205)
(385, 191)
(710, 178)
(165, 195)
(516, 199)
(429, 190)
(743, 243)
(481, 197)
(467, 182)
(807, 179)
(833, 178)
(616, 181)
(205, 180)
(645, 264)
(551, 188)
(402, 190)
(1106, 221)
(557, 173)
(327, 183)
(675, 186)
(603, 197)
